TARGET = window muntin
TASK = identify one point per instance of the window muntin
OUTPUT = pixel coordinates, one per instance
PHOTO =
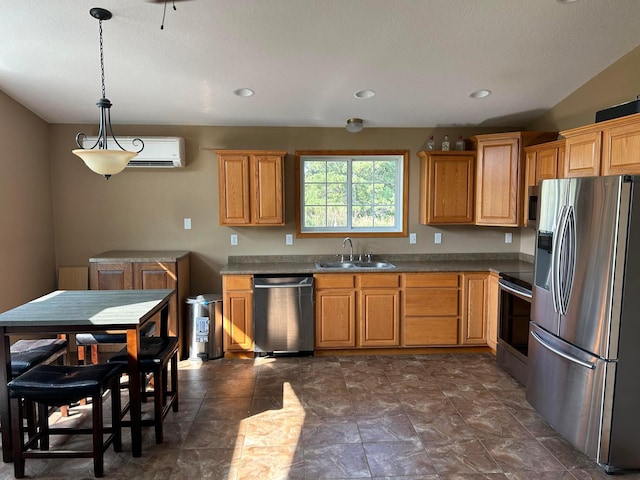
(352, 193)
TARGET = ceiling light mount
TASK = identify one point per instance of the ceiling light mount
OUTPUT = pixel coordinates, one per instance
(354, 125)
(99, 157)
(480, 93)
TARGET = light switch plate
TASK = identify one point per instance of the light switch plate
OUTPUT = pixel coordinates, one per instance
(508, 237)
(437, 237)
(412, 238)
(234, 239)
(187, 224)
(288, 239)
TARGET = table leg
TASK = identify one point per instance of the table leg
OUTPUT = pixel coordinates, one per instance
(135, 397)
(5, 407)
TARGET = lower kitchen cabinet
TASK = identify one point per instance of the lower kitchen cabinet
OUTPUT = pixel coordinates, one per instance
(146, 270)
(475, 314)
(492, 311)
(237, 313)
(379, 310)
(335, 311)
(431, 313)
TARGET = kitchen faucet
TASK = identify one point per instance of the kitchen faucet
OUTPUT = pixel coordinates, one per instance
(344, 242)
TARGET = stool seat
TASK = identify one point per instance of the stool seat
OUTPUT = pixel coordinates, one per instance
(154, 352)
(26, 354)
(63, 384)
(94, 339)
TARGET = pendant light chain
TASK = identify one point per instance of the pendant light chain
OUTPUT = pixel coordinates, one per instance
(102, 61)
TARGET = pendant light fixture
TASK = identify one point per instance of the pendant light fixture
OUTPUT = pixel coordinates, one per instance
(100, 158)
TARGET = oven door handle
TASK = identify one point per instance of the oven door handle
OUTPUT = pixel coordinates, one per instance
(522, 295)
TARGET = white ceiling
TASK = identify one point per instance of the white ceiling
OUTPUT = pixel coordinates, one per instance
(306, 58)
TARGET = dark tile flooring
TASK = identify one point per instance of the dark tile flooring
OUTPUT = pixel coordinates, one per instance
(410, 417)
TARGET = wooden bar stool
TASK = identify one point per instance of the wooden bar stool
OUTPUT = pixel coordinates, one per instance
(156, 354)
(58, 385)
(92, 341)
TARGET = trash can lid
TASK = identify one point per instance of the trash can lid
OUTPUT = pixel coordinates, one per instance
(205, 299)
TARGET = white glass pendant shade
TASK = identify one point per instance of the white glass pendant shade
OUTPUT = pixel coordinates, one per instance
(105, 162)
(354, 125)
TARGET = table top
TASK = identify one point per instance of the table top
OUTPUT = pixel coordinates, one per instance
(86, 308)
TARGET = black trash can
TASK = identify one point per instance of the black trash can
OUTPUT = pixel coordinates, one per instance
(204, 327)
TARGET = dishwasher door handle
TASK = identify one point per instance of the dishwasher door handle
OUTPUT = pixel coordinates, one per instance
(285, 285)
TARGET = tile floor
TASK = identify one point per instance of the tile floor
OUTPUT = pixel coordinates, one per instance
(410, 417)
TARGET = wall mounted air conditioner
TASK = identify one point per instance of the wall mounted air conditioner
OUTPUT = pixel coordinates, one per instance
(158, 152)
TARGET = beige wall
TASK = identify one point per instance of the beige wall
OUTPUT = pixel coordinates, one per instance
(617, 84)
(144, 209)
(26, 241)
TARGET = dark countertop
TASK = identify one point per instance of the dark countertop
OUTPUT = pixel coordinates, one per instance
(421, 263)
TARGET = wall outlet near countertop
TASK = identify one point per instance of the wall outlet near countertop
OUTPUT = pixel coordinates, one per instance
(508, 237)
(288, 239)
(437, 237)
(412, 238)
(187, 224)
(234, 239)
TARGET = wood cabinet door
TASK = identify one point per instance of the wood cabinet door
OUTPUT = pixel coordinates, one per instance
(428, 331)
(159, 275)
(233, 189)
(238, 321)
(111, 276)
(379, 322)
(547, 164)
(447, 188)
(335, 318)
(268, 198)
(474, 312)
(582, 155)
(492, 311)
(621, 150)
(497, 182)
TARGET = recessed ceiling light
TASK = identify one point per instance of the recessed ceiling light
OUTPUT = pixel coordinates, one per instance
(567, 1)
(364, 94)
(480, 93)
(244, 92)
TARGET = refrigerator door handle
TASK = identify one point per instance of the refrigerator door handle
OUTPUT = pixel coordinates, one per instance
(555, 259)
(562, 354)
(567, 260)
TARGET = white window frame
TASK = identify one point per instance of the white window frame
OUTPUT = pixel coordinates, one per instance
(400, 187)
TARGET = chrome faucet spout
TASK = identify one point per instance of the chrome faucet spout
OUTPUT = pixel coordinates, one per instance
(344, 242)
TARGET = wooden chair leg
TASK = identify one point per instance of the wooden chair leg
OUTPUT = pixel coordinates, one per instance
(82, 355)
(116, 415)
(43, 421)
(17, 437)
(174, 381)
(97, 435)
(158, 401)
(94, 354)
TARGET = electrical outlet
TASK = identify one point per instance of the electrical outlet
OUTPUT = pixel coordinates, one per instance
(288, 239)
(187, 224)
(234, 239)
(508, 237)
(437, 237)
(412, 238)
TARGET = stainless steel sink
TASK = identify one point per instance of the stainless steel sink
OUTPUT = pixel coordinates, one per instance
(354, 264)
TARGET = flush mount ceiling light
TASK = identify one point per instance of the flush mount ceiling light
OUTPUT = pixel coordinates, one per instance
(480, 94)
(244, 92)
(99, 157)
(364, 94)
(354, 125)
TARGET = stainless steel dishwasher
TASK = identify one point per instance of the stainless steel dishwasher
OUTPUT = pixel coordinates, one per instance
(283, 314)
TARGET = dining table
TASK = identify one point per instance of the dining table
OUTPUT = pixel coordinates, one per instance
(79, 311)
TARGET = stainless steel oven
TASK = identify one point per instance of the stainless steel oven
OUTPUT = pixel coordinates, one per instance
(513, 323)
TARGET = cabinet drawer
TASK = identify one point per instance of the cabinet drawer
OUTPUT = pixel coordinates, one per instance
(237, 282)
(330, 280)
(419, 331)
(431, 302)
(388, 280)
(431, 280)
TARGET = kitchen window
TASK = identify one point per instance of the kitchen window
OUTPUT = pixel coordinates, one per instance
(360, 193)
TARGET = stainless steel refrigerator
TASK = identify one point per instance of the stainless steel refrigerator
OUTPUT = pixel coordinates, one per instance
(584, 341)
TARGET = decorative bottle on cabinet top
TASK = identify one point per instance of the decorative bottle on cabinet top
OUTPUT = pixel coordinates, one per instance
(445, 143)
(431, 143)
(460, 143)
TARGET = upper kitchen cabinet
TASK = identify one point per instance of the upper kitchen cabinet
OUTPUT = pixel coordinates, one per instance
(606, 148)
(251, 187)
(446, 187)
(542, 161)
(500, 165)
